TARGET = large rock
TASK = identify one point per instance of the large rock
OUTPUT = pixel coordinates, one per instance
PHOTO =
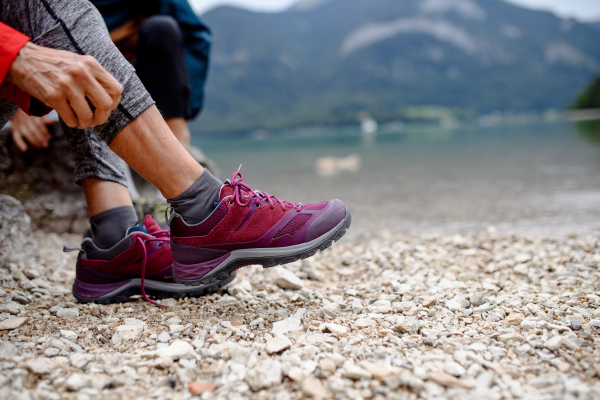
(43, 180)
(15, 231)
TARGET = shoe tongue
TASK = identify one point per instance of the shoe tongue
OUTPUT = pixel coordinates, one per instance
(136, 228)
(151, 225)
(226, 190)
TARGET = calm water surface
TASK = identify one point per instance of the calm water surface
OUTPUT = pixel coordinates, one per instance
(525, 179)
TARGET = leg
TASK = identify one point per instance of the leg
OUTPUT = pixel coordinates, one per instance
(162, 69)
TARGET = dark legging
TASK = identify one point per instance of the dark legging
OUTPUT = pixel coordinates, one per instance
(160, 64)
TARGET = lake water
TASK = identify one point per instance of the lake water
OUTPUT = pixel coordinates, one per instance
(530, 179)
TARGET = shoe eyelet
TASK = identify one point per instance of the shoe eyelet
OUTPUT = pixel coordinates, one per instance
(231, 203)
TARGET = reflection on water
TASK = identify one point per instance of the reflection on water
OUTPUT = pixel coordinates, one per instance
(529, 179)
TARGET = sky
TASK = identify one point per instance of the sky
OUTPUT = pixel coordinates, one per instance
(583, 10)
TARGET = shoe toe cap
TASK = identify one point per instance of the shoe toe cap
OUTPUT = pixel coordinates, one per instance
(333, 215)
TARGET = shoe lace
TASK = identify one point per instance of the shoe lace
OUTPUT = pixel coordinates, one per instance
(160, 236)
(257, 195)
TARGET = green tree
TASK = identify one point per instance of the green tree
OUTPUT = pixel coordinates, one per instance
(590, 98)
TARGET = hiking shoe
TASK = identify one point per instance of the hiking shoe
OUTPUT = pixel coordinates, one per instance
(140, 263)
(252, 227)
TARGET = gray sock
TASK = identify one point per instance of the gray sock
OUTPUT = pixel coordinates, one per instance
(197, 202)
(110, 226)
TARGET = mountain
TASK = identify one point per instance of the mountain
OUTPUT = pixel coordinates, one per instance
(326, 61)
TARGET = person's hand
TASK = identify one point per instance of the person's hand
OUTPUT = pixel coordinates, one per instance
(27, 129)
(66, 81)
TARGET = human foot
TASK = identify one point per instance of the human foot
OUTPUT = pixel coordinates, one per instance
(252, 227)
(139, 263)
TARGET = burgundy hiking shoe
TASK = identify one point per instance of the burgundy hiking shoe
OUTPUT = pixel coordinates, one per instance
(252, 227)
(140, 263)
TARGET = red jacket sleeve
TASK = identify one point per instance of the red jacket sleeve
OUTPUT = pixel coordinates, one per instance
(11, 42)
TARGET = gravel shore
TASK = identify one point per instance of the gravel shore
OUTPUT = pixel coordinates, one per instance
(446, 317)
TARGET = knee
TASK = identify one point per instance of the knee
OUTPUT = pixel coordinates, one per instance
(161, 31)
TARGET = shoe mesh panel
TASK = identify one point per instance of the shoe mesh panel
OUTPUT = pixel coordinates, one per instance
(292, 227)
(315, 206)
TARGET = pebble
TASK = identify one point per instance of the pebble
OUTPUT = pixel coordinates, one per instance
(334, 328)
(67, 313)
(364, 322)
(7, 350)
(265, 374)
(291, 324)
(553, 343)
(514, 318)
(77, 382)
(313, 387)
(40, 365)
(381, 307)
(357, 306)
(278, 344)
(409, 326)
(12, 323)
(286, 279)
(355, 372)
(386, 334)
(575, 325)
(69, 335)
(197, 388)
(177, 350)
(429, 301)
(164, 337)
(444, 379)
(124, 333)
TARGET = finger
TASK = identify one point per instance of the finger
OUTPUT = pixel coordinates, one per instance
(82, 110)
(63, 108)
(108, 82)
(42, 127)
(37, 136)
(101, 100)
(19, 142)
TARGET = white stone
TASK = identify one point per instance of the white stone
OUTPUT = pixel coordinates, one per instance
(7, 350)
(278, 344)
(12, 323)
(553, 343)
(177, 350)
(125, 333)
(364, 322)
(133, 321)
(355, 372)
(379, 371)
(265, 374)
(313, 387)
(409, 325)
(69, 335)
(175, 328)
(522, 269)
(357, 306)
(456, 304)
(77, 382)
(164, 337)
(286, 279)
(336, 329)
(80, 360)
(454, 368)
(67, 313)
(291, 324)
(40, 365)
(381, 307)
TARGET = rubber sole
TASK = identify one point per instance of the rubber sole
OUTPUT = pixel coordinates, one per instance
(124, 295)
(224, 271)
